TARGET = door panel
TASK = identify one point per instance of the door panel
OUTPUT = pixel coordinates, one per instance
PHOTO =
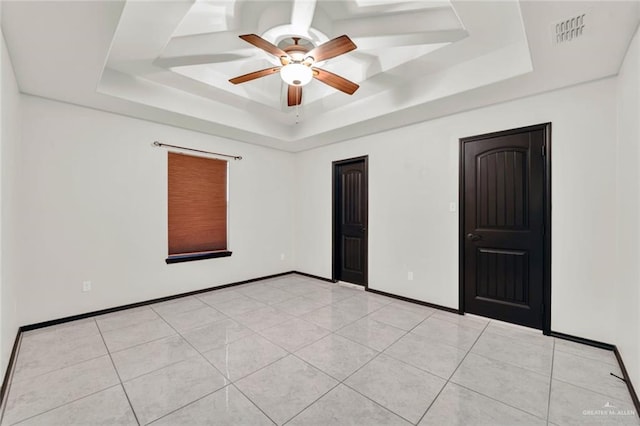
(503, 225)
(350, 221)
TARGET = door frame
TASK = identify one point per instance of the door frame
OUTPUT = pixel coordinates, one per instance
(335, 228)
(546, 274)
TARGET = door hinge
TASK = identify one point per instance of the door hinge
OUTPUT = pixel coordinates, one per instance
(544, 149)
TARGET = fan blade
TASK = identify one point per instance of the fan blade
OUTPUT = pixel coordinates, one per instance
(335, 81)
(332, 48)
(294, 95)
(253, 75)
(263, 44)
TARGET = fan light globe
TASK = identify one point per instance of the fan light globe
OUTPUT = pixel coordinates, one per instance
(296, 74)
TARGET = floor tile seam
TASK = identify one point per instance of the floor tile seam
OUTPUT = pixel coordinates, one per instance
(188, 404)
(59, 368)
(142, 343)
(115, 369)
(446, 318)
(225, 301)
(66, 403)
(414, 366)
(312, 403)
(452, 374)
(502, 361)
(184, 312)
(208, 393)
(28, 339)
(226, 317)
(520, 343)
(298, 348)
(155, 370)
(378, 404)
(270, 303)
(439, 343)
(497, 400)
(254, 403)
(199, 353)
(525, 338)
(613, 363)
(595, 391)
(553, 355)
(131, 325)
(316, 367)
(203, 324)
(234, 381)
(341, 310)
(512, 364)
(379, 352)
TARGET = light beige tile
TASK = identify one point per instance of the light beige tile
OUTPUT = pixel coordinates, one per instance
(224, 407)
(285, 388)
(158, 393)
(399, 387)
(34, 396)
(244, 356)
(343, 406)
(142, 359)
(337, 356)
(122, 338)
(105, 408)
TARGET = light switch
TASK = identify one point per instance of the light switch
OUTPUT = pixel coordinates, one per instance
(452, 207)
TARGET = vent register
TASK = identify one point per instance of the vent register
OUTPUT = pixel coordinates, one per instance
(568, 29)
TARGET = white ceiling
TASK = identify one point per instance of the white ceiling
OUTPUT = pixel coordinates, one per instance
(170, 61)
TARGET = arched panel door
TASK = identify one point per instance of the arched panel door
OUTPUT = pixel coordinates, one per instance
(504, 226)
(350, 221)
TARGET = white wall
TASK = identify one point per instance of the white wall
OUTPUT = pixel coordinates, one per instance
(93, 200)
(627, 329)
(9, 142)
(413, 176)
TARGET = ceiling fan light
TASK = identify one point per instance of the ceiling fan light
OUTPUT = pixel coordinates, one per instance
(296, 74)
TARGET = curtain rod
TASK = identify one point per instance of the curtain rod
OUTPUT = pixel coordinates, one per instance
(160, 144)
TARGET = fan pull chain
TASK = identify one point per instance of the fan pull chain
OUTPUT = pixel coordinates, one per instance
(297, 113)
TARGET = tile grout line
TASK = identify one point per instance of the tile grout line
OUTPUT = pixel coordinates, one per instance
(118, 374)
(109, 353)
(66, 403)
(342, 382)
(493, 360)
(553, 355)
(453, 373)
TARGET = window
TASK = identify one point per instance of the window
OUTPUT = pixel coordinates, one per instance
(197, 194)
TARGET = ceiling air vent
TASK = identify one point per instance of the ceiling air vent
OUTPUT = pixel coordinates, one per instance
(568, 29)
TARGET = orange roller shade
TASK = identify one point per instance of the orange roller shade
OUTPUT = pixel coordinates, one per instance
(197, 204)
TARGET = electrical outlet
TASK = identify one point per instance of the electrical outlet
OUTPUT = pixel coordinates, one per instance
(282, 256)
(86, 286)
(410, 276)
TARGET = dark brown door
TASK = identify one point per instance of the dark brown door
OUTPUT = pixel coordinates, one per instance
(503, 230)
(350, 220)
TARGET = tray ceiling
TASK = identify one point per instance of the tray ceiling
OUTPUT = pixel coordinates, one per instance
(171, 61)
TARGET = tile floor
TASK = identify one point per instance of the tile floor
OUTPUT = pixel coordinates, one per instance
(299, 351)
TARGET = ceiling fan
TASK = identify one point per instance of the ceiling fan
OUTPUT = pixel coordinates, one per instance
(297, 65)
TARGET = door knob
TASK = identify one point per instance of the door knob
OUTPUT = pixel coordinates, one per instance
(473, 237)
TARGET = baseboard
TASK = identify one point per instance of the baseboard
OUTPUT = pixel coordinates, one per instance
(616, 352)
(146, 302)
(418, 302)
(9, 372)
(24, 328)
(587, 342)
(329, 280)
(627, 380)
